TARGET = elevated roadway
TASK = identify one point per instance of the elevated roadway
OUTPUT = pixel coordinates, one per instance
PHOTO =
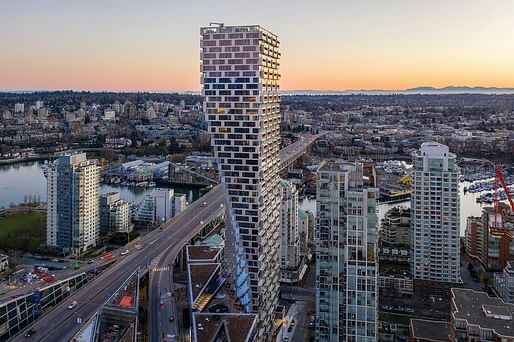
(61, 323)
(290, 153)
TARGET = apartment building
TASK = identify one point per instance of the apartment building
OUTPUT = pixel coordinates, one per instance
(291, 265)
(477, 317)
(114, 214)
(346, 247)
(160, 206)
(73, 212)
(504, 283)
(239, 75)
(435, 214)
(490, 239)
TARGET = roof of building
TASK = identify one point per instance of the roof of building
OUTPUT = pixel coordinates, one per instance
(337, 165)
(430, 330)
(126, 301)
(487, 312)
(203, 252)
(214, 239)
(200, 275)
(234, 327)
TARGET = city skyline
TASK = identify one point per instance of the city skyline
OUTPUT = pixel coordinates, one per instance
(125, 46)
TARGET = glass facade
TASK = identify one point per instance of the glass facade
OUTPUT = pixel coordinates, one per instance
(346, 254)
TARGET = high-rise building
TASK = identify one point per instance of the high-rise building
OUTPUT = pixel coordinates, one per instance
(306, 232)
(489, 238)
(435, 221)
(290, 260)
(19, 107)
(346, 246)
(242, 103)
(114, 214)
(73, 213)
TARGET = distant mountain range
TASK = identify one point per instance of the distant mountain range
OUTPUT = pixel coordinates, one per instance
(417, 90)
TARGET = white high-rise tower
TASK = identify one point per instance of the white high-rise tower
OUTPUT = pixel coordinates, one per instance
(241, 101)
(435, 214)
(73, 213)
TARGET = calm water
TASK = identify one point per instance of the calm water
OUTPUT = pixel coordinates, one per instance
(22, 181)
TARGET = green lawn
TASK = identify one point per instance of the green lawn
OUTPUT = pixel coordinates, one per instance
(25, 231)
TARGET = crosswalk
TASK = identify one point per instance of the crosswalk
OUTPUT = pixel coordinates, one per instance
(160, 269)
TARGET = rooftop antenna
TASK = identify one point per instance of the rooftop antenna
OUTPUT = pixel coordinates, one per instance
(217, 24)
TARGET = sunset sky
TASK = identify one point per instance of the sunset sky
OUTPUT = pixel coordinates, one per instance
(326, 44)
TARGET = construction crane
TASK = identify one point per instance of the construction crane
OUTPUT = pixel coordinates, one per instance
(499, 178)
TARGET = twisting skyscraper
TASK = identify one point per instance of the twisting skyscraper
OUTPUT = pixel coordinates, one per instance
(241, 101)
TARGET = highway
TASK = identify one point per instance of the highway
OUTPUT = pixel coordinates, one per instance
(161, 287)
(293, 151)
(61, 324)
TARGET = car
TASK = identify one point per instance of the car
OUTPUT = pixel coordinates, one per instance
(72, 305)
(218, 308)
(30, 332)
(170, 337)
(172, 318)
(204, 204)
(125, 252)
(90, 261)
(161, 304)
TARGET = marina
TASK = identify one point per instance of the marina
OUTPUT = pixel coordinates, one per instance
(26, 180)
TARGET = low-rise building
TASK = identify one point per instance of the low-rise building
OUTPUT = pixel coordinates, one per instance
(160, 205)
(504, 283)
(394, 227)
(114, 214)
(4, 262)
(422, 330)
(215, 314)
(477, 317)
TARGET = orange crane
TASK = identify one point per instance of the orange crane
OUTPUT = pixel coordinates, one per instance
(505, 233)
(499, 178)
